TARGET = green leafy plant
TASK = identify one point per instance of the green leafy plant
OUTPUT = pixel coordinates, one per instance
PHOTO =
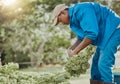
(9, 74)
(77, 65)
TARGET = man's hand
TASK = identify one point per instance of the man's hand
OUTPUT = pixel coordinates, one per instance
(85, 42)
(75, 49)
(70, 52)
(71, 49)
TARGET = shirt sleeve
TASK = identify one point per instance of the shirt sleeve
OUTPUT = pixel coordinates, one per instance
(88, 23)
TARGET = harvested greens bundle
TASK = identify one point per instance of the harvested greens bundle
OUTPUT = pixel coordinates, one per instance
(9, 74)
(78, 64)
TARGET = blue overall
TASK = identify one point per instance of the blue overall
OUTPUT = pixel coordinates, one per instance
(100, 24)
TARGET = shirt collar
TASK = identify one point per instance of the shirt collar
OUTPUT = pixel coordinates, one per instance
(70, 12)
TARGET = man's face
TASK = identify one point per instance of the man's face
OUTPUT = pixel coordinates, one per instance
(63, 17)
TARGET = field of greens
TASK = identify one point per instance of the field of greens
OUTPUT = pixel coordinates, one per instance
(9, 74)
(75, 66)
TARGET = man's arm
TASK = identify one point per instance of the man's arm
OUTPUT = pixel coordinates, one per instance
(78, 41)
(86, 41)
(70, 49)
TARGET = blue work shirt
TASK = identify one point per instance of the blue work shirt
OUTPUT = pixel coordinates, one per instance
(94, 21)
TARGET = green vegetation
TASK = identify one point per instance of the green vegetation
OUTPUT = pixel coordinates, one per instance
(78, 65)
(74, 67)
(30, 36)
(9, 74)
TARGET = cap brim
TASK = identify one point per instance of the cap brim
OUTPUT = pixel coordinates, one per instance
(55, 21)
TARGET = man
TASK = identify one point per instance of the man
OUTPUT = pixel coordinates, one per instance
(97, 25)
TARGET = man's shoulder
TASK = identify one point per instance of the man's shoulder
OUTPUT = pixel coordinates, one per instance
(84, 4)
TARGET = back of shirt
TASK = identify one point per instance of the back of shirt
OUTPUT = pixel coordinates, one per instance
(108, 23)
(94, 21)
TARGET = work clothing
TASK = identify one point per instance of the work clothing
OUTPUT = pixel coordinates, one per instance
(100, 24)
(103, 60)
(94, 21)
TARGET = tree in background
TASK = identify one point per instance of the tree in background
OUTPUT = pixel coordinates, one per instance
(116, 6)
(27, 34)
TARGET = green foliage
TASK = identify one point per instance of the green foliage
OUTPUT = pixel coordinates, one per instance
(33, 38)
(77, 65)
(113, 4)
(51, 4)
(11, 12)
(7, 69)
(116, 6)
(74, 67)
(10, 75)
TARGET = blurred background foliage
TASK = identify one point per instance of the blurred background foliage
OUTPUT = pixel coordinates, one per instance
(27, 35)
